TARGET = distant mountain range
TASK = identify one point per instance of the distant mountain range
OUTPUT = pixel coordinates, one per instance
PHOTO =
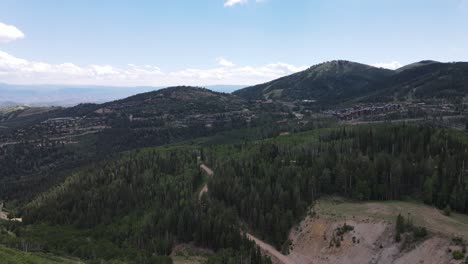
(55, 95)
(338, 82)
(326, 84)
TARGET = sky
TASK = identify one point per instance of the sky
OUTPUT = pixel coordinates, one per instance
(210, 42)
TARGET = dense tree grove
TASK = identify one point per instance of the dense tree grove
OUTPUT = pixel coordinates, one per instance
(31, 168)
(271, 183)
(145, 201)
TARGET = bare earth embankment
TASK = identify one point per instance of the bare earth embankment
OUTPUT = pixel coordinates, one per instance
(208, 172)
(267, 249)
(373, 237)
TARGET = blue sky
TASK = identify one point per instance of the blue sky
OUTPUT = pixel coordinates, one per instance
(205, 42)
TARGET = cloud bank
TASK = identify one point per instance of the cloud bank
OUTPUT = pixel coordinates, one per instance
(225, 63)
(22, 71)
(9, 33)
(231, 3)
(388, 65)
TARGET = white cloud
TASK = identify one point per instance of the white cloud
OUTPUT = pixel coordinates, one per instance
(225, 63)
(9, 33)
(231, 3)
(21, 71)
(388, 65)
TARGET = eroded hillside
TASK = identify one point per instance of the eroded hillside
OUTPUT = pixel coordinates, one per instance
(369, 236)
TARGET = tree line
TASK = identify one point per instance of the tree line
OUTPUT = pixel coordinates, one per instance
(271, 183)
(144, 201)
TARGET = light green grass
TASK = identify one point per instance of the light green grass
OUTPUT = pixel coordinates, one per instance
(12, 256)
(421, 214)
(189, 259)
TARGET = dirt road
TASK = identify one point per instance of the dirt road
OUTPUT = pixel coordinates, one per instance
(210, 173)
(55, 138)
(203, 191)
(270, 250)
(3, 216)
(8, 143)
(354, 122)
(207, 170)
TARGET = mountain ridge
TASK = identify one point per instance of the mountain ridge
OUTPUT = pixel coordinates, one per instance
(336, 82)
(326, 82)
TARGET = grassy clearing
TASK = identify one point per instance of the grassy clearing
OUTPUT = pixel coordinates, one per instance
(12, 256)
(421, 214)
(189, 259)
(189, 254)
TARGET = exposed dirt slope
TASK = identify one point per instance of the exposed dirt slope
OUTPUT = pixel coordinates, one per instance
(373, 238)
(207, 170)
(210, 173)
(267, 249)
(271, 251)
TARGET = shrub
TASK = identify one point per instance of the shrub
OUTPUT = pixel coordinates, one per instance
(337, 243)
(419, 232)
(400, 224)
(286, 247)
(447, 210)
(458, 240)
(398, 237)
(458, 255)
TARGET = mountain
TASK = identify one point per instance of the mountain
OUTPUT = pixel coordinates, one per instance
(225, 88)
(87, 183)
(177, 102)
(93, 131)
(325, 83)
(283, 190)
(180, 100)
(415, 65)
(19, 115)
(343, 81)
(426, 80)
(66, 95)
(152, 118)
(58, 95)
(7, 104)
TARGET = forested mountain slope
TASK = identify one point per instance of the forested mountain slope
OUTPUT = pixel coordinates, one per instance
(271, 183)
(131, 208)
(341, 82)
(147, 201)
(38, 148)
(424, 82)
(325, 83)
(415, 65)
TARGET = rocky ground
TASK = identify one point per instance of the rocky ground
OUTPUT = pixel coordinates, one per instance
(372, 239)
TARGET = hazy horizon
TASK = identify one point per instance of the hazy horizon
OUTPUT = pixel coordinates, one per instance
(228, 42)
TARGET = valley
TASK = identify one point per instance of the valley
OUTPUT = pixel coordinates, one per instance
(233, 132)
(310, 168)
(372, 239)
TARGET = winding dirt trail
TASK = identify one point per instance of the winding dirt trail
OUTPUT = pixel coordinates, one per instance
(207, 170)
(210, 173)
(269, 249)
(203, 191)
